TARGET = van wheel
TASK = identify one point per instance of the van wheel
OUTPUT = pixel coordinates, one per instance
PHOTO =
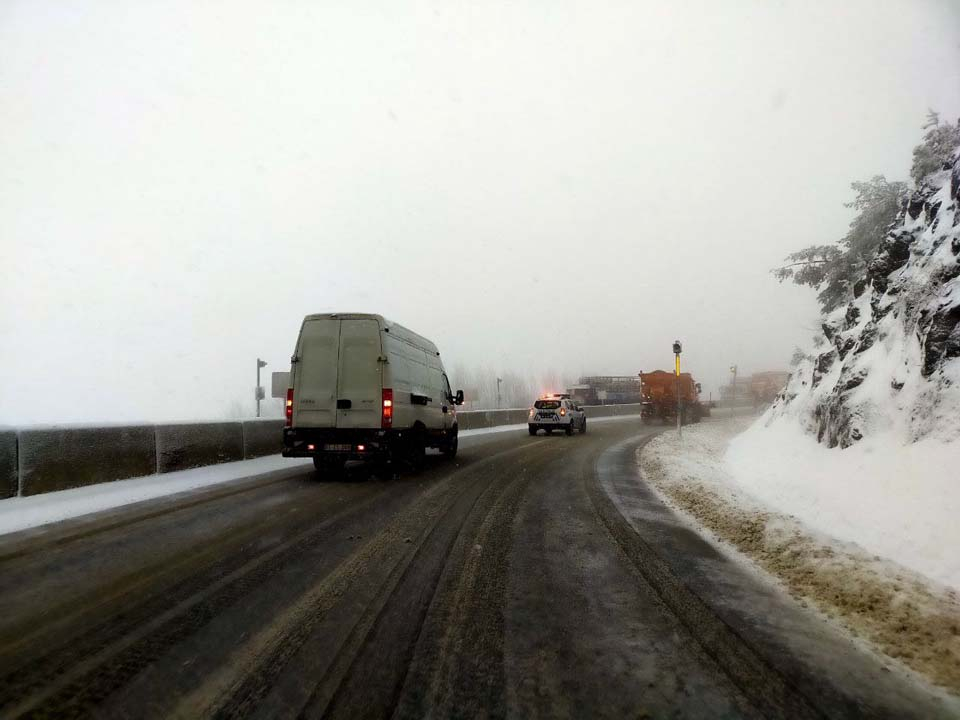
(569, 429)
(450, 449)
(417, 451)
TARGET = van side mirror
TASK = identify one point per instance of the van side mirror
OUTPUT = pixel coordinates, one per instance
(458, 400)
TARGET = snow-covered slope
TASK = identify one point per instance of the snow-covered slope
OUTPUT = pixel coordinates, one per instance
(889, 361)
(864, 442)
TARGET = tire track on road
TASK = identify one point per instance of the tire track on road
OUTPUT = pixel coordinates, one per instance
(767, 690)
(117, 649)
(372, 575)
(457, 667)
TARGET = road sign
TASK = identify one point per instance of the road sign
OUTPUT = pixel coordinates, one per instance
(279, 382)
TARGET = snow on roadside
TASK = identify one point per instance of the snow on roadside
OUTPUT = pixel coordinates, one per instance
(899, 611)
(20, 513)
(901, 501)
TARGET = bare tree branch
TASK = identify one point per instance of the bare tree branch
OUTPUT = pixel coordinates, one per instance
(804, 262)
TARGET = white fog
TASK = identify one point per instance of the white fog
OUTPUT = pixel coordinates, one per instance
(544, 189)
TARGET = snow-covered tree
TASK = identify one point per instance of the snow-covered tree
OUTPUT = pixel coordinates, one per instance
(834, 269)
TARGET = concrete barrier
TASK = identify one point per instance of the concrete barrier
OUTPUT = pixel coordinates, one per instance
(190, 445)
(474, 419)
(60, 458)
(9, 472)
(262, 437)
(597, 411)
(39, 460)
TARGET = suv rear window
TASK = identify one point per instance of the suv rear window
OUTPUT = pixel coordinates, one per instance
(546, 404)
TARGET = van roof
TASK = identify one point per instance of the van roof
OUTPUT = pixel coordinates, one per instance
(393, 328)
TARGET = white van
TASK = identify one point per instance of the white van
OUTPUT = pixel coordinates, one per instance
(363, 387)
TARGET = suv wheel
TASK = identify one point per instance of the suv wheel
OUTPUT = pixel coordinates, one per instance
(569, 429)
(583, 426)
(532, 429)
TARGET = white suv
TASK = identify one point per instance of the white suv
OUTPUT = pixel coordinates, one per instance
(556, 412)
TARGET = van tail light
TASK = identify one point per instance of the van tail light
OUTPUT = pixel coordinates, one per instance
(386, 419)
(289, 407)
(563, 411)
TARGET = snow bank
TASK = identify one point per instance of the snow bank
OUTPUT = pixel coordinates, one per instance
(26, 512)
(900, 501)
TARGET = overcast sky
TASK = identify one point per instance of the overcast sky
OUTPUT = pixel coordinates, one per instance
(534, 186)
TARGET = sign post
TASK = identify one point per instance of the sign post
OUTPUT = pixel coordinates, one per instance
(733, 388)
(677, 349)
(259, 391)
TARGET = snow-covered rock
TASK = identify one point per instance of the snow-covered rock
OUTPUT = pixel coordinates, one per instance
(888, 363)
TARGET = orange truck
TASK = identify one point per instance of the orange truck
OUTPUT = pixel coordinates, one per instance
(658, 391)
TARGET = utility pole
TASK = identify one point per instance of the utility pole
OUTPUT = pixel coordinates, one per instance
(259, 391)
(499, 380)
(677, 349)
(733, 388)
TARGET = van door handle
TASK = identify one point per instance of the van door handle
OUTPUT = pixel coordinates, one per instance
(344, 404)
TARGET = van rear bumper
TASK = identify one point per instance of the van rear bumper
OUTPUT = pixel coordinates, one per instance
(349, 443)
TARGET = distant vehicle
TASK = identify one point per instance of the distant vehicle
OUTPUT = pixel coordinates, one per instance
(606, 390)
(365, 388)
(659, 398)
(556, 412)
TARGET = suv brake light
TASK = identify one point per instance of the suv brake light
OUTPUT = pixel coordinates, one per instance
(386, 419)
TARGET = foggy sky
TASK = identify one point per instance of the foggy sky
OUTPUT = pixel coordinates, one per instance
(534, 186)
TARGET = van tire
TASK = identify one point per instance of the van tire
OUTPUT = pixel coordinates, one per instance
(416, 449)
(450, 448)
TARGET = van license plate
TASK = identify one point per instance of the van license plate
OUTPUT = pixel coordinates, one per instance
(338, 447)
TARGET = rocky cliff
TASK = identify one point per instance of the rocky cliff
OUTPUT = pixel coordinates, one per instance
(889, 360)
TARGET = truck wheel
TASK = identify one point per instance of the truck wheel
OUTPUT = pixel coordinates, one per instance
(532, 429)
(569, 428)
(450, 449)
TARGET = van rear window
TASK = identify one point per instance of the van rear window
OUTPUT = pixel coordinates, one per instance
(546, 404)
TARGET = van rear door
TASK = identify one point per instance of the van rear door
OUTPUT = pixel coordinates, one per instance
(360, 374)
(315, 374)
